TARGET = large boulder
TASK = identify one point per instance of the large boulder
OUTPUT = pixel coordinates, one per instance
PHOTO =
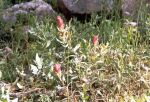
(38, 8)
(129, 8)
(84, 6)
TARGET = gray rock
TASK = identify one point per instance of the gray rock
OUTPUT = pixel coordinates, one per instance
(8, 17)
(20, 12)
(129, 8)
(84, 6)
(37, 7)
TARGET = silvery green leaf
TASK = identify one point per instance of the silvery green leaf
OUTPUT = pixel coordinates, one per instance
(76, 48)
(34, 69)
(0, 74)
(50, 64)
(38, 61)
(14, 100)
(63, 78)
(99, 92)
(2, 62)
(3, 92)
(65, 45)
(59, 41)
(48, 43)
(75, 77)
(31, 31)
(50, 76)
(20, 86)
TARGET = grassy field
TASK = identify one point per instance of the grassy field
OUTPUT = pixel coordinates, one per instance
(55, 60)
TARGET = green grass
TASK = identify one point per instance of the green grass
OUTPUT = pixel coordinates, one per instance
(115, 70)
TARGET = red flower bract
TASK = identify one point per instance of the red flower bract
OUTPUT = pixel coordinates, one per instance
(57, 68)
(60, 23)
(95, 40)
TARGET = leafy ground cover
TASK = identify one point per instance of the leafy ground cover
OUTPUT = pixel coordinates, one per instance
(53, 60)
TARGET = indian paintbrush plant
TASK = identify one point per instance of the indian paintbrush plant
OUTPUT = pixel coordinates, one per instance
(60, 23)
(63, 32)
(95, 40)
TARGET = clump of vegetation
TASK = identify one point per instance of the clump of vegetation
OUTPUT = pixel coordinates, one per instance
(53, 60)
